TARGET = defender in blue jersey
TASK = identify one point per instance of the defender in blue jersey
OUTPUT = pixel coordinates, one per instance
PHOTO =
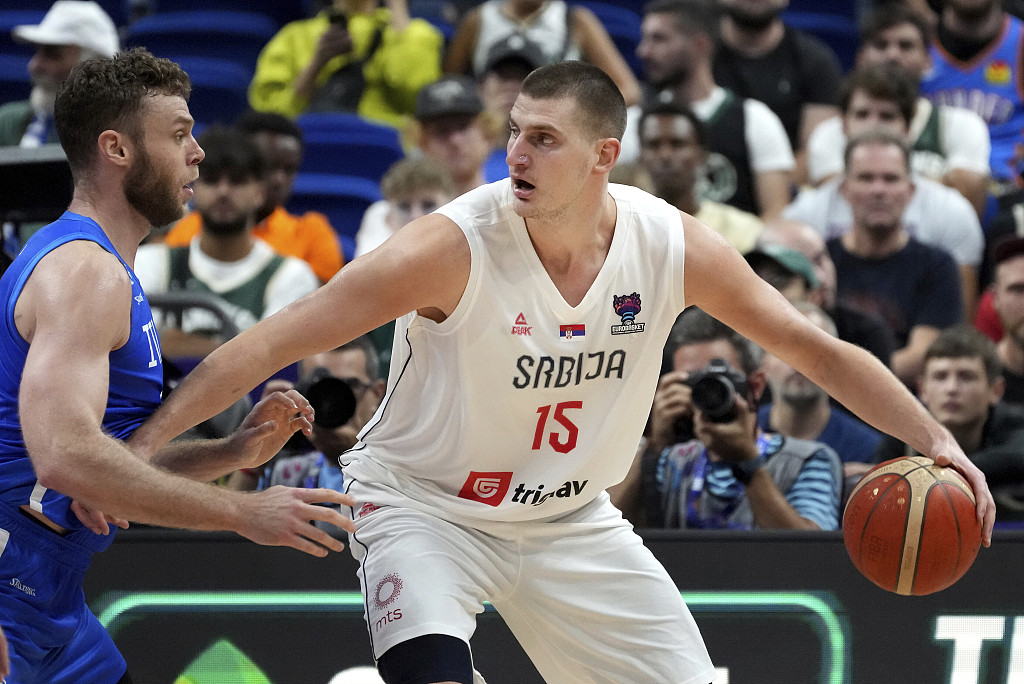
(82, 371)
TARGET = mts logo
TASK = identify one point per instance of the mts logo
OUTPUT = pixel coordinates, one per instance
(487, 488)
(391, 616)
(969, 634)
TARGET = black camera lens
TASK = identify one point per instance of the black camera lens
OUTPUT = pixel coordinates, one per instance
(715, 396)
(714, 389)
(332, 399)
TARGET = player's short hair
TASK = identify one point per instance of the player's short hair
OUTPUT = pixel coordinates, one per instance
(888, 82)
(601, 108)
(876, 136)
(695, 326)
(964, 341)
(108, 94)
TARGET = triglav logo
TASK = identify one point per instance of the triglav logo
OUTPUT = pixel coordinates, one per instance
(627, 307)
(488, 488)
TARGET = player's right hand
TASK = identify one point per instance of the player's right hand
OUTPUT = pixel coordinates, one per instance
(282, 516)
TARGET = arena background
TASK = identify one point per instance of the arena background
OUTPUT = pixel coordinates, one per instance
(773, 607)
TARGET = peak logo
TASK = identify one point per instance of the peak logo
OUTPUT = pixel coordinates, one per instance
(521, 327)
(487, 488)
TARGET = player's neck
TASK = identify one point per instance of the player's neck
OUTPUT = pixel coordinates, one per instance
(573, 249)
(124, 226)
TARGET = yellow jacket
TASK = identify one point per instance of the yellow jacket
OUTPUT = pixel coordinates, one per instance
(402, 64)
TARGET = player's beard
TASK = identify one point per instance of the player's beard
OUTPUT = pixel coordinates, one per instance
(153, 193)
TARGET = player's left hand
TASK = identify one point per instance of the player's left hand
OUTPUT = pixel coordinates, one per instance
(950, 454)
(269, 426)
(96, 521)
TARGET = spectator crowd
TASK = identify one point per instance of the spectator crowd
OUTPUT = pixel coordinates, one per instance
(881, 192)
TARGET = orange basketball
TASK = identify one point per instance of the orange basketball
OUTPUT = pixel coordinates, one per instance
(910, 526)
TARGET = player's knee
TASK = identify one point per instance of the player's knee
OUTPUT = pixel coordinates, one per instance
(427, 659)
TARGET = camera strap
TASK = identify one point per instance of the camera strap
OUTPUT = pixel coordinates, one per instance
(711, 516)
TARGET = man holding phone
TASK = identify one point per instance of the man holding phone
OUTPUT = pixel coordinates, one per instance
(353, 56)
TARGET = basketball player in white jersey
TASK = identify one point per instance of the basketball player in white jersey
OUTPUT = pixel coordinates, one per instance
(532, 315)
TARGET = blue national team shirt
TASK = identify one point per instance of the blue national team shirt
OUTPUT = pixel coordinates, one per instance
(136, 378)
(991, 84)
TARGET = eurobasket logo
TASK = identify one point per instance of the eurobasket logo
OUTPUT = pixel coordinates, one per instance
(627, 307)
(487, 488)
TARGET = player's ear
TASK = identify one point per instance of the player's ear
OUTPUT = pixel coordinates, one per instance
(111, 146)
(607, 154)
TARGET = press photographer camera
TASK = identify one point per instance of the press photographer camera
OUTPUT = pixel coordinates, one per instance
(332, 399)
(713, 390)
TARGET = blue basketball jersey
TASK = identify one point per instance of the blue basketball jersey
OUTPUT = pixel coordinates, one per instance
(991, 84)
(136, 378)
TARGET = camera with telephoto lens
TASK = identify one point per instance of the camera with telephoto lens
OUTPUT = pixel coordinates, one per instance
(332, 398)
(713, 390)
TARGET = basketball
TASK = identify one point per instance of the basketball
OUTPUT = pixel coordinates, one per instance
(910, 526)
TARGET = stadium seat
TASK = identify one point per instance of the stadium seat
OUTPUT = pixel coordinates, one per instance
(343, 199)
(279, 11)
(220, 34)
(9, 18)
(219, 89)
(341, 143)
(622, 25)
(15, 83)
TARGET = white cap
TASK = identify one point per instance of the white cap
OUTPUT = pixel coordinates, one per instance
(73, 22)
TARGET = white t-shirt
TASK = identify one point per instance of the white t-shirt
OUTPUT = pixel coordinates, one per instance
(519, 406)
(964, 137)
(767, 143)
(293, 280)
(936, 215)
(373, 228)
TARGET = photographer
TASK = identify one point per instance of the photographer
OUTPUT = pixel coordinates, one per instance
(344, 388)
(705, 464)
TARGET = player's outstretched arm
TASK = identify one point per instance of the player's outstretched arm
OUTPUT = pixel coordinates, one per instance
(424, 267)
(269, 425)
(718, 280)
(73, 311)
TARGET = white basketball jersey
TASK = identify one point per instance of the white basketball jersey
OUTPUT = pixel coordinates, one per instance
(519, 406)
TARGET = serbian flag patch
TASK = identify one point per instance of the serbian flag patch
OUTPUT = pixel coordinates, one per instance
(571, 331)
